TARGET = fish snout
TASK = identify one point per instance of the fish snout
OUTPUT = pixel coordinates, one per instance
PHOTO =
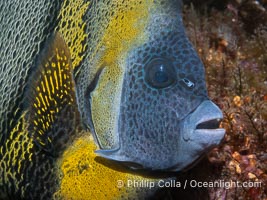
(200, 132)
(203, 124)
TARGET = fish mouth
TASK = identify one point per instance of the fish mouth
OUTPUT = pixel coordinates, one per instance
(210, 124)
(204, 124)
(201, 133)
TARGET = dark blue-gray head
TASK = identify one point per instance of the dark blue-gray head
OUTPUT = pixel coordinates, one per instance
(156, 113)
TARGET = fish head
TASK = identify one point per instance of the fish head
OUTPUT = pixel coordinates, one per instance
(156, 114)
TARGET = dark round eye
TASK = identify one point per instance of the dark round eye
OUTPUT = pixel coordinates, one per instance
(160, 73)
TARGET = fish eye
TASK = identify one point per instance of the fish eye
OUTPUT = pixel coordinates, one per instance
(160, 73)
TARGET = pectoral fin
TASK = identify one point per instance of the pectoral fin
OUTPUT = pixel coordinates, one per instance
(52, 106)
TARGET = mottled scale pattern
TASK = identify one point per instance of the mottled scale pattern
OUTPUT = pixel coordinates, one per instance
(113, 27)
(141, 101)
(52, 99)
(72, 27)
(23, 165)
(24, 27)
(49, 120)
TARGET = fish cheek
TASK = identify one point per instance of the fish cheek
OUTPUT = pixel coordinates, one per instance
(147, 132)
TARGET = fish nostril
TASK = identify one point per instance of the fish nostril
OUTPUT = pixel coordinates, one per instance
(211, 124)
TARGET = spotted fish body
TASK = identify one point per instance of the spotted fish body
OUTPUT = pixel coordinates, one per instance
(122, 69)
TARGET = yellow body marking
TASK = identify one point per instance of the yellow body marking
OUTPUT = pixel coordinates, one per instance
(48, 89)
(125, 31)
(20, 146)
(84, 178)
(71, 27)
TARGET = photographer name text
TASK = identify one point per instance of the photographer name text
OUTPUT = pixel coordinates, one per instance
(186, 183)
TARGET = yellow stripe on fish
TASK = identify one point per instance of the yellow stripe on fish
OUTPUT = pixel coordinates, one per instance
(47, 99)
(86, 176)
(20, 150)
(72, 28)
(124, 31)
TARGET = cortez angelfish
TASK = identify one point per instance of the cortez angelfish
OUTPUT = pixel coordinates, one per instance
(147, 103)
(124, 70)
